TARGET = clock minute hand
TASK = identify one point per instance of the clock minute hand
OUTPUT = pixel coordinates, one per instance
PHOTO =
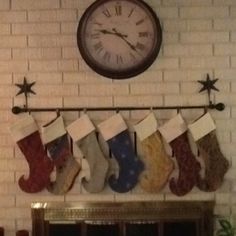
(130, 44)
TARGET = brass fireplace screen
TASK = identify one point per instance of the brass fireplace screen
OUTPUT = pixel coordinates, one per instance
(127, 219)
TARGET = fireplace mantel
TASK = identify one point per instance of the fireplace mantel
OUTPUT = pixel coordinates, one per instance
(44, 214)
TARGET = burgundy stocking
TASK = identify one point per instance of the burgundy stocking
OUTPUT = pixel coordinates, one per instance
(189, 168)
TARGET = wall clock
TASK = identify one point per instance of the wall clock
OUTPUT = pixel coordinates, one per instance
(119, 39)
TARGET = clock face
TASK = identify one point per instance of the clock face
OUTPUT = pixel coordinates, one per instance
(119, 39)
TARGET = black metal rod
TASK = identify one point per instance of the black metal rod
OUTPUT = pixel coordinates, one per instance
(17, 109)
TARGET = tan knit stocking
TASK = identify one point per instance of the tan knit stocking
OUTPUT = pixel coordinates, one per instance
(158, 165)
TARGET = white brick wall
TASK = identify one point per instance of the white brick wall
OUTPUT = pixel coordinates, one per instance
(38, 41)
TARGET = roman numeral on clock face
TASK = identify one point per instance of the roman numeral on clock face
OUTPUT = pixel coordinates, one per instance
(106, 13)
(118, 10)
(119, 59)
(98, 47)
(140, 46)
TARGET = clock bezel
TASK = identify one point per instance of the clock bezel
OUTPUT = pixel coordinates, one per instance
(121, 74)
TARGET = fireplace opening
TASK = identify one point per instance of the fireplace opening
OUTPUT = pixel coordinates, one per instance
(142, 229)
(102, 230)
(123, 219)
(183, 228)
(64, 229)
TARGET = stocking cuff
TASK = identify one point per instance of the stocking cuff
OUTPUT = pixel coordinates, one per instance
(80, 128)
(53, 131)
(146, 127)
(23, 127)
(111, 127)
(203, 126)
(173, 128)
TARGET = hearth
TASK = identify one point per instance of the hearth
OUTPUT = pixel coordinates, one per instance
(123, 219)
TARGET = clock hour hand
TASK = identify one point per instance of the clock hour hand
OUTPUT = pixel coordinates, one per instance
(104, 31)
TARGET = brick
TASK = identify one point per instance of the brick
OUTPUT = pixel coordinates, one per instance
(5, 29)
(30, 4)
(190, 87)
(26, 200)
(90, 101)
(37, 53)
(45, 102)
(52, 41)
(35, 102)
(187, 50)
(185, 100)
(154, 88)
(57, 90)
(40, 77)
(225, 2)
(7, 201)
(104, 90)
(225, 49)
(233, 61)
(6, 176)
(174, 25)
(6, 78)
(225, 74)
(233, 11)
(70, 52)
(36, 28)
(13, 41)
(53, 65)
(147, 76)
(185, 75)
(204, 12)
(69, 27)
(204, 37)
(5, 5)
(168, 12)
(225, 24)
(6, 152)
(207, 62)
(61, 15)
(17, 66)
(199, 25)
(139, 101)
(13, 16)
(17, 213)
(187, 2)
(6, 91)
(164, 63)
(75, 4)
(5, 54)
(73, 78)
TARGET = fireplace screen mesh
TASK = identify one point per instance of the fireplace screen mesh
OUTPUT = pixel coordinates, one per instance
(123, 219)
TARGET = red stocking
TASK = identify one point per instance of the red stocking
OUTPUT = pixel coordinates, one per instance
(26, 134)
(175, 133)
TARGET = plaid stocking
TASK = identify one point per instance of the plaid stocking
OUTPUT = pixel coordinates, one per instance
(67, 168)
(216, 165)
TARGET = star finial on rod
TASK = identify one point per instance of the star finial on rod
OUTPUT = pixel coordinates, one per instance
(25, 88)
(208, 85)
